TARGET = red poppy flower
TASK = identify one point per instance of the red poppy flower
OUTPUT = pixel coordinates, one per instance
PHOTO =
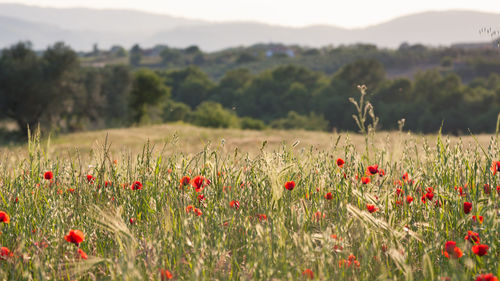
(399, 191)
(481, 219)
(90, 179)
(381, 172)
(48, 175)
(487, 188)
(373, 169)
(498, 189)
(199, 182)
(308, 273)
(290, 185)
(318, 215)
(472, 237)
(329, 196)
(486, 277)
(495, 167)
(451, 250)
(340, 162)
(409, 199)
(351, 257)
(467, 207)
(262, 217)
(480, 249)
(371, 208)
(405, 177)
(107, 183)
(185, 180)
(189, 208)
(365, 180)
(137, 185)
(449, 246)
(132, 221)
(75, 236)
(429, 195)
(165, 275)
(457, 253)
(350, 260)
(201, 197)
(437, 204)
(83, 255)
(4, 217)
(5, 252)
(198, 212)
(234, 204)
(460, 191)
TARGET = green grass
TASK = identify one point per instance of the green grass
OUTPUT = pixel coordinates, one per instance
(398, 242)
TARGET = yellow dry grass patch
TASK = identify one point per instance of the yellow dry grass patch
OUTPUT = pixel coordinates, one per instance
(188, 139)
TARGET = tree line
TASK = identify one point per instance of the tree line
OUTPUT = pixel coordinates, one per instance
(54, 90)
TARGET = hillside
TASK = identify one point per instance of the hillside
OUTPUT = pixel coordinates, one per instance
(81, 28)
(188, 139)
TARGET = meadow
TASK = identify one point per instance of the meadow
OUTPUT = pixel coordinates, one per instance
(186, 203)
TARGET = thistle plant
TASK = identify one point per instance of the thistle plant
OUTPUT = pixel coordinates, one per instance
(364, 108)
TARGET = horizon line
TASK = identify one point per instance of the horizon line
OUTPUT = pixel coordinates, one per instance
(249, 20)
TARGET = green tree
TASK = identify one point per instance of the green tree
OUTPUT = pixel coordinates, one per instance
(35, 89)
(171, 56)
(89, 102)
(135, 55)
(245, 57)
(190, 85)
(212, 114)
(369, 72)
(249, 123)
(176, 111)
(118, 51)
(192, 50)
(271, 94)
(147, 90)
(116, 87)
(230, 88)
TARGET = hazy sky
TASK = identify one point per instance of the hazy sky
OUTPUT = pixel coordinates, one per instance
(346, 13)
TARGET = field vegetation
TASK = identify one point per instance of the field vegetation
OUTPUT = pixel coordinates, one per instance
(187, 203)
(176, 201)
(57, 89)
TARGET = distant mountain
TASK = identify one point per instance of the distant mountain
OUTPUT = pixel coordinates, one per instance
(94, 19)
(433, 28)
(223, 35)
(81, 28)
(430, 28)
(42, 35)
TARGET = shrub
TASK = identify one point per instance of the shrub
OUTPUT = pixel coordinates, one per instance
(313, 122)
(212, 114)
(250, 123)
(176, 111)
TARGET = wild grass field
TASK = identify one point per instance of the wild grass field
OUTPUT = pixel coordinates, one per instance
(186, 203)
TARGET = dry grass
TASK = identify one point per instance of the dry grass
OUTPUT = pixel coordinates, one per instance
(138, 220)
(188, 139)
